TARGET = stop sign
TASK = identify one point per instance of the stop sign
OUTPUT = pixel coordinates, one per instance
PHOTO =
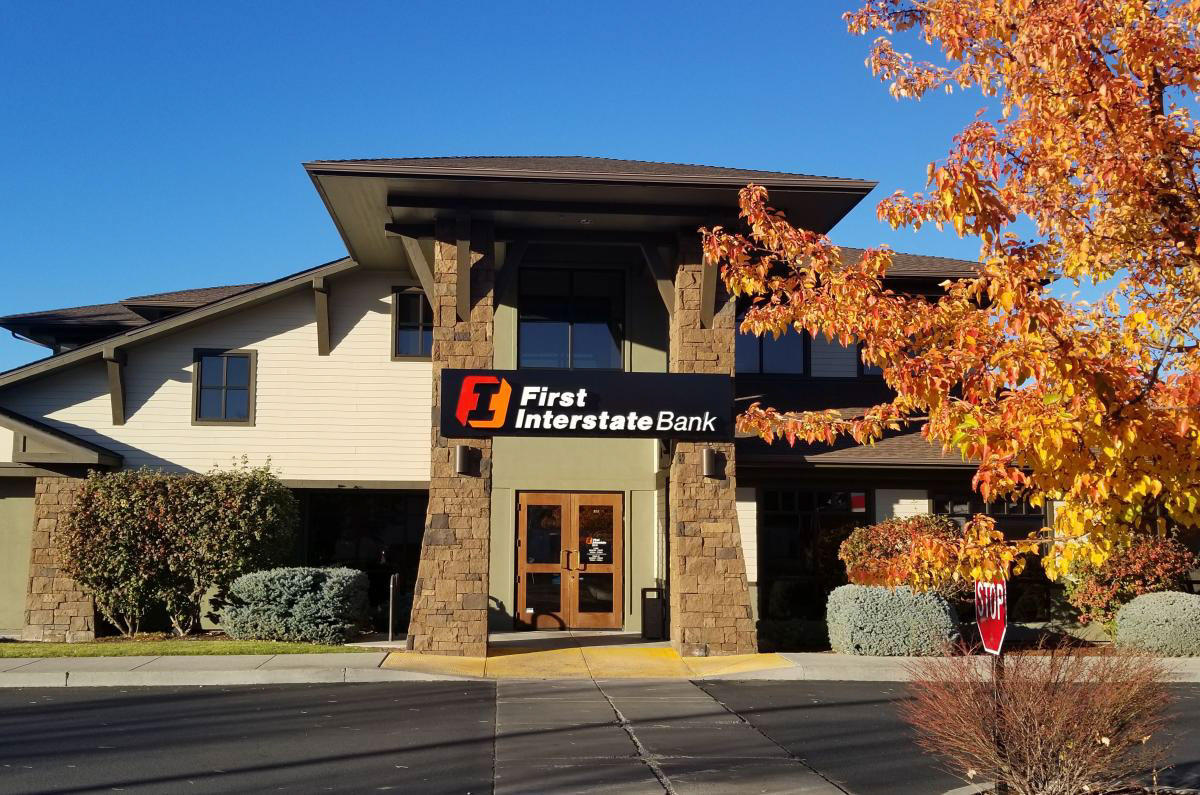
(991, 613)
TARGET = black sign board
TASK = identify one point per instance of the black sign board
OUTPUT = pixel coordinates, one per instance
(484, 403)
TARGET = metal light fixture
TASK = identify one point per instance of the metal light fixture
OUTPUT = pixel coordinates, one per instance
(462, 459)
(711, 465)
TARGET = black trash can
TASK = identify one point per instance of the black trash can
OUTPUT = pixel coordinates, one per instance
(654, 613)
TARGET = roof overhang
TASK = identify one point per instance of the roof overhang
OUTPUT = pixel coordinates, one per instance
(36, 443)
(115, 345)
(375, 205)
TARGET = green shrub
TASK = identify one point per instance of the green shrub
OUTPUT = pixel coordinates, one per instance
(889, 622)
(114, 544)
(144, 540)
(1149, 565)
(881, 553)
(1166, 623)
(297, 604)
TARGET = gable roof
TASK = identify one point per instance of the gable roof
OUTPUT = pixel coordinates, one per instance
(137, 335)
(196, 296)
(575, 165)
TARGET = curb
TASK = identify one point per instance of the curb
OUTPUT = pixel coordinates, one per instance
(291, 676)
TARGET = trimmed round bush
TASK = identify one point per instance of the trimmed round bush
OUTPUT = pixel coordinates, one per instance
(1166, 623)
(877, 621)
(298, 604)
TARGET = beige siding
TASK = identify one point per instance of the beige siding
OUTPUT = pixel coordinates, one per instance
(747, 514)
(900, 503)
(352, 415)
(6, 445)
(833, 360)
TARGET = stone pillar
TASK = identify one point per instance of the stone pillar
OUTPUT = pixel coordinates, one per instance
(449, 613)
(709, 594)
(56, 608)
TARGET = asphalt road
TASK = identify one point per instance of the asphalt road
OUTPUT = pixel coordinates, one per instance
(719, 737)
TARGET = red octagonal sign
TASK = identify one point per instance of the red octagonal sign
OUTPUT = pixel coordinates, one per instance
(991, 613)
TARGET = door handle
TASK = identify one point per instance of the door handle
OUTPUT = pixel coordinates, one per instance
(566, 561)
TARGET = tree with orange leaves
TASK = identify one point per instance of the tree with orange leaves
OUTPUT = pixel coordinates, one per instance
(1093, 140)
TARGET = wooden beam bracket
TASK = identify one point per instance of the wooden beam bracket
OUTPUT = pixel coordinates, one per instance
(114, 363)
(664, 279)
(420, 266)
(462, 284)
(708, 292)
(321, 309)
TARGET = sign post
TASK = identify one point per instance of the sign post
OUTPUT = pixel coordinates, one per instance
(991, 615)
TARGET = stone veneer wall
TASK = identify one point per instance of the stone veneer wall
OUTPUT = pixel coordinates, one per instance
(709, 594)
(449, 613)
(56, 608)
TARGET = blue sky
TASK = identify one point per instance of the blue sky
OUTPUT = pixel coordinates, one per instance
(157, 146)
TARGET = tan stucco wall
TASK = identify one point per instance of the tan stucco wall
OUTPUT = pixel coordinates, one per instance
(352, 415)
(551, 464)
(16, 533)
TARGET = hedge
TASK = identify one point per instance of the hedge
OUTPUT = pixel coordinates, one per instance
(1165, 623)
(889, 622)
(299, 604)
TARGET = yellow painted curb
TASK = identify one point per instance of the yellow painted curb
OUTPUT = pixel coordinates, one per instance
(600, 662)
(435, 664)
(516, 662)
(618, 663)
(734, 664)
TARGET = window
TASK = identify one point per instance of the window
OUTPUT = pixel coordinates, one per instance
(796, 353)
(412, 324)
(1015, 518)
(799, 531)
(224, 387)
(766, 354)
(570, 319)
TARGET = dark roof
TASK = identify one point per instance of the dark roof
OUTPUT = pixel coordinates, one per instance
(907, 448)
(119, 314)
(196, 296)
(93, 314)
(572, 164)
(922, 265)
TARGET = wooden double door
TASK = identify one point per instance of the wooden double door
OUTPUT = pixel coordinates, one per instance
(569, 561)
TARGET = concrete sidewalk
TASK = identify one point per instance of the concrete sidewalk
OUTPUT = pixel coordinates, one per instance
(510, 662)
(172, 671)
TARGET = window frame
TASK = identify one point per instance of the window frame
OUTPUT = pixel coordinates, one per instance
(408, 289)
(198, 355)
(621, 323)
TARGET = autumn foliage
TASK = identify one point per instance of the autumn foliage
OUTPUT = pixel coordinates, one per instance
(1148, 566)
(886, 552)
(1088, 139)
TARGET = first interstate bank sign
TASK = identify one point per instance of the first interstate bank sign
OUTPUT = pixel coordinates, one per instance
(484, 403)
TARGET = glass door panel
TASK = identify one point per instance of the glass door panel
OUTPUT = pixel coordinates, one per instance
(541, 559)
(569, 561)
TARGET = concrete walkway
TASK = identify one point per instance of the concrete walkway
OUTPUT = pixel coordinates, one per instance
(233, 669)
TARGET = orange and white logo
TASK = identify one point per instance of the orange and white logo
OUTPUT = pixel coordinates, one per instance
(475, 386)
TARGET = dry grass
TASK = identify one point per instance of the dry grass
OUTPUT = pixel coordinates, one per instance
(1057, 723)
(154, 644)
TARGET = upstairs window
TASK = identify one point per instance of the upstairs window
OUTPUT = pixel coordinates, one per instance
(224, 387)
(412, 324)
(571, 319)
(796, 353)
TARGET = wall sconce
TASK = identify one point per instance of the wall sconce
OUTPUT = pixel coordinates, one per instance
(712, 466)
(462, 459)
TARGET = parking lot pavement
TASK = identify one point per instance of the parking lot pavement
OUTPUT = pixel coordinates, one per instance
(580, 736)
(851, 733)
(407, 736)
